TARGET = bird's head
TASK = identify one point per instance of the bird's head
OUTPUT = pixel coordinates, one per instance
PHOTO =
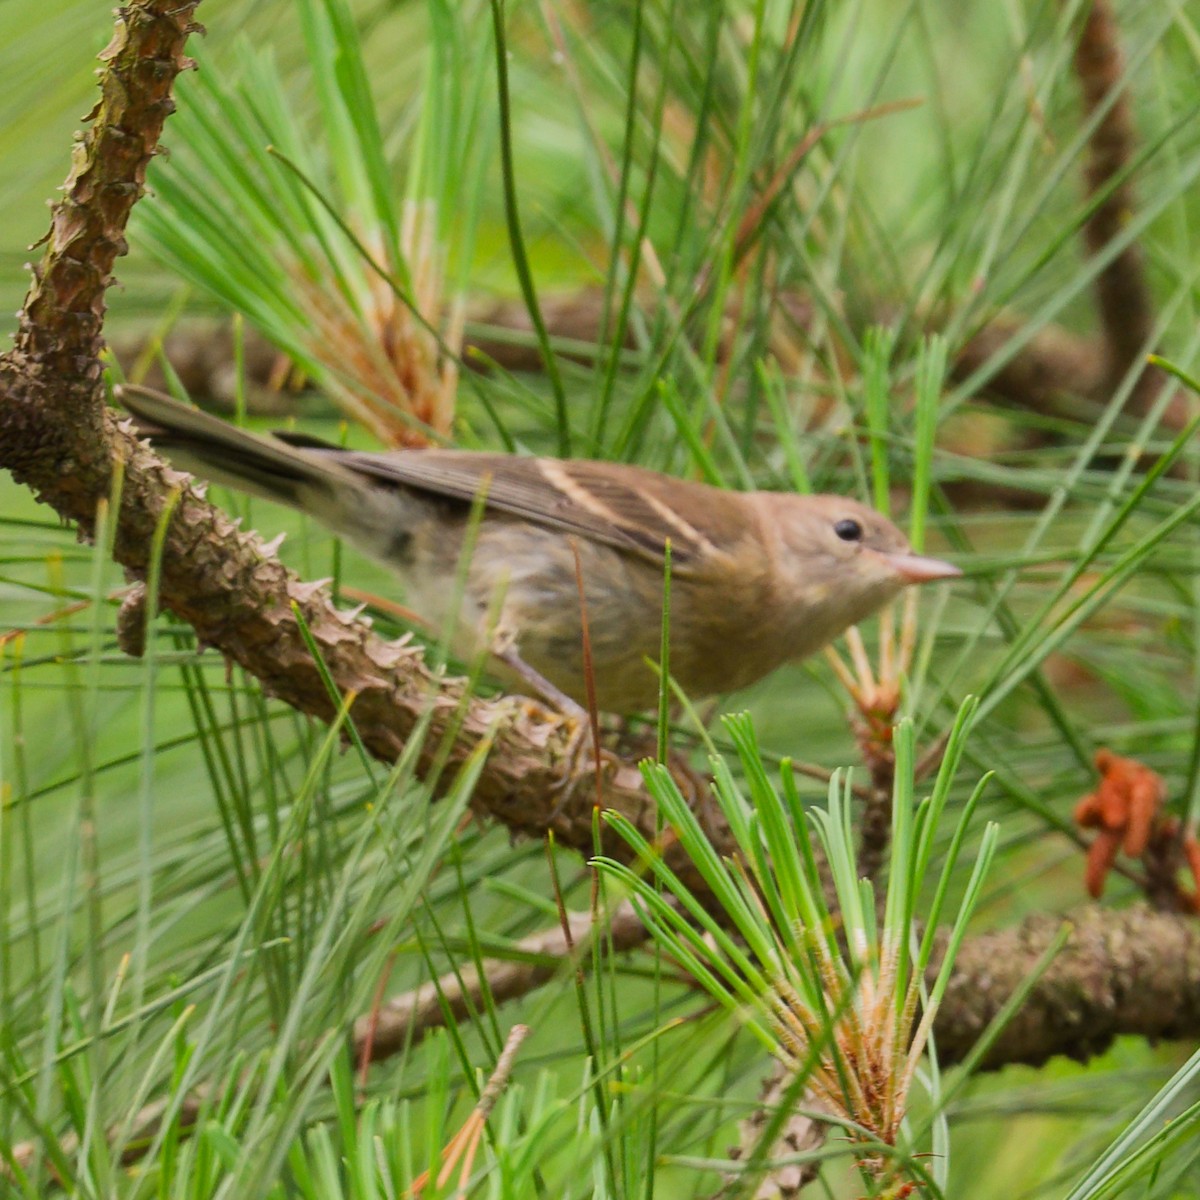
(845, 559)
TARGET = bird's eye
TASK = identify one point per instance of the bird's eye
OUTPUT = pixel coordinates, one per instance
(849, 530)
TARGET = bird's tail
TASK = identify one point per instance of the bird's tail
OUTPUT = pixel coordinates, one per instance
(213, 449)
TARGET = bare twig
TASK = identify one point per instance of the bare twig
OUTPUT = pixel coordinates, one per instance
(460, 994)
(463, 1145)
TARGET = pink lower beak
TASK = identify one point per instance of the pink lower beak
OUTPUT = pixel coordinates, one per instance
(915, 568)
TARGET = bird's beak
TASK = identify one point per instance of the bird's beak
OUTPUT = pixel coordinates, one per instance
(916, 568)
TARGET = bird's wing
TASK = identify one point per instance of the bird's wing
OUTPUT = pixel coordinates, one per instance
(628, 507)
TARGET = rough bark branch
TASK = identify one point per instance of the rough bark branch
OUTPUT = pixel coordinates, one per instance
(1042, 372)
(1123, 301)
(1128, 972)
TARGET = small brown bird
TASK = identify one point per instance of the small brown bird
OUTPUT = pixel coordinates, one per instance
(757, 578)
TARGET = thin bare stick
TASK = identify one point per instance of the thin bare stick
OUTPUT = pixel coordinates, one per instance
(464, 1144)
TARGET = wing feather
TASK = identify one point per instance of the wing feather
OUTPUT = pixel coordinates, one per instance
(628, 507)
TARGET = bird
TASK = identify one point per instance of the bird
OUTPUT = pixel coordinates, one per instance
(757, 579)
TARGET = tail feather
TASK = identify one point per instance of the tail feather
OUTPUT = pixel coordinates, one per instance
(215, 450)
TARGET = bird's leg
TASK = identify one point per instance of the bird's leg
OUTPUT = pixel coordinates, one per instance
(503, 647)
(577, 739)
(584, 737)
(582, 756)
(541, 685)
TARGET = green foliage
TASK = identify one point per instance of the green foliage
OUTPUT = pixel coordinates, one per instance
(300, 224)
(200, 896)
(823, 985)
